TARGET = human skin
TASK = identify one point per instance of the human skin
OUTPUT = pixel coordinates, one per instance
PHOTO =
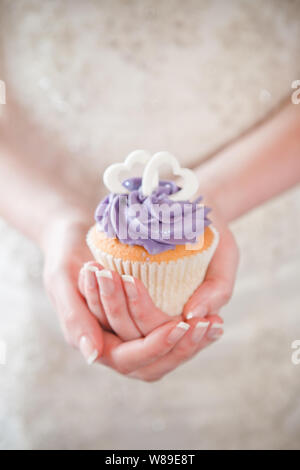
(258, 167)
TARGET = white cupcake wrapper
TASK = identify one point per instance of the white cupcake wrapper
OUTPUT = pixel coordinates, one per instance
(170, 283)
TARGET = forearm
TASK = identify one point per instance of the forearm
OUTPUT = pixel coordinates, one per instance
(258, 167)
(33, 199)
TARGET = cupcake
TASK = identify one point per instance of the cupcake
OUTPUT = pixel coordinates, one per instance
(152, 229)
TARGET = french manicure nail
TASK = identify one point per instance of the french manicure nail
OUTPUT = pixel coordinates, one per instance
(104, 273)
(88, 350)
(178, 332)
(129, 286)
(90, 268)
(199, 331)
(105, 280)
(215, 331)
(199, 311)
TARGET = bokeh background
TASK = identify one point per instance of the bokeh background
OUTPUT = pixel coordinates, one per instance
(103, 78)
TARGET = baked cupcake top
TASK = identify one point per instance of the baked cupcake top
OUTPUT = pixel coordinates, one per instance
(149, 212)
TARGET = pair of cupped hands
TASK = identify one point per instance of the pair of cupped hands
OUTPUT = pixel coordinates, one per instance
(112, 319)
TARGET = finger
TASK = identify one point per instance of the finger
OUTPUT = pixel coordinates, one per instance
(82, 275)
(132, 355)
(115, 306)
(91, 292)
(217, 288)
(186, 348)
(144, 313)
(195, 340)
(80, 327)
(216, 329)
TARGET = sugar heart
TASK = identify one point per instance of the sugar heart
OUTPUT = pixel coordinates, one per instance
(111, 176)
(151, 176)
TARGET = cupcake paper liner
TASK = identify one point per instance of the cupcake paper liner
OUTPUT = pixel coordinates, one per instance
(170, 283)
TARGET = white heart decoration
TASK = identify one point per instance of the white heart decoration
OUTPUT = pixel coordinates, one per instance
(151, 176)
(111, 176)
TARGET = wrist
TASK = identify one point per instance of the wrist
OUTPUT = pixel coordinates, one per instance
(219, 193)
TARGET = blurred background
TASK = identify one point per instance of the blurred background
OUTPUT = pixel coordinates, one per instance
(95, 80)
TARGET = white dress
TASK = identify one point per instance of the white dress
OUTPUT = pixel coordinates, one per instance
(105, 78)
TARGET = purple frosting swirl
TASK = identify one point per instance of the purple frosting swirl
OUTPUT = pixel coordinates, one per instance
(155, 222)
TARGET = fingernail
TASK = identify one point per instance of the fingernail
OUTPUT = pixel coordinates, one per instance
(199, 331)
(90, 268)
(178, 332)
(88, 350)
(129, 286)
(199, 311)
(105, 280)
(90, 279)
(104, 273)
(215, 331)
